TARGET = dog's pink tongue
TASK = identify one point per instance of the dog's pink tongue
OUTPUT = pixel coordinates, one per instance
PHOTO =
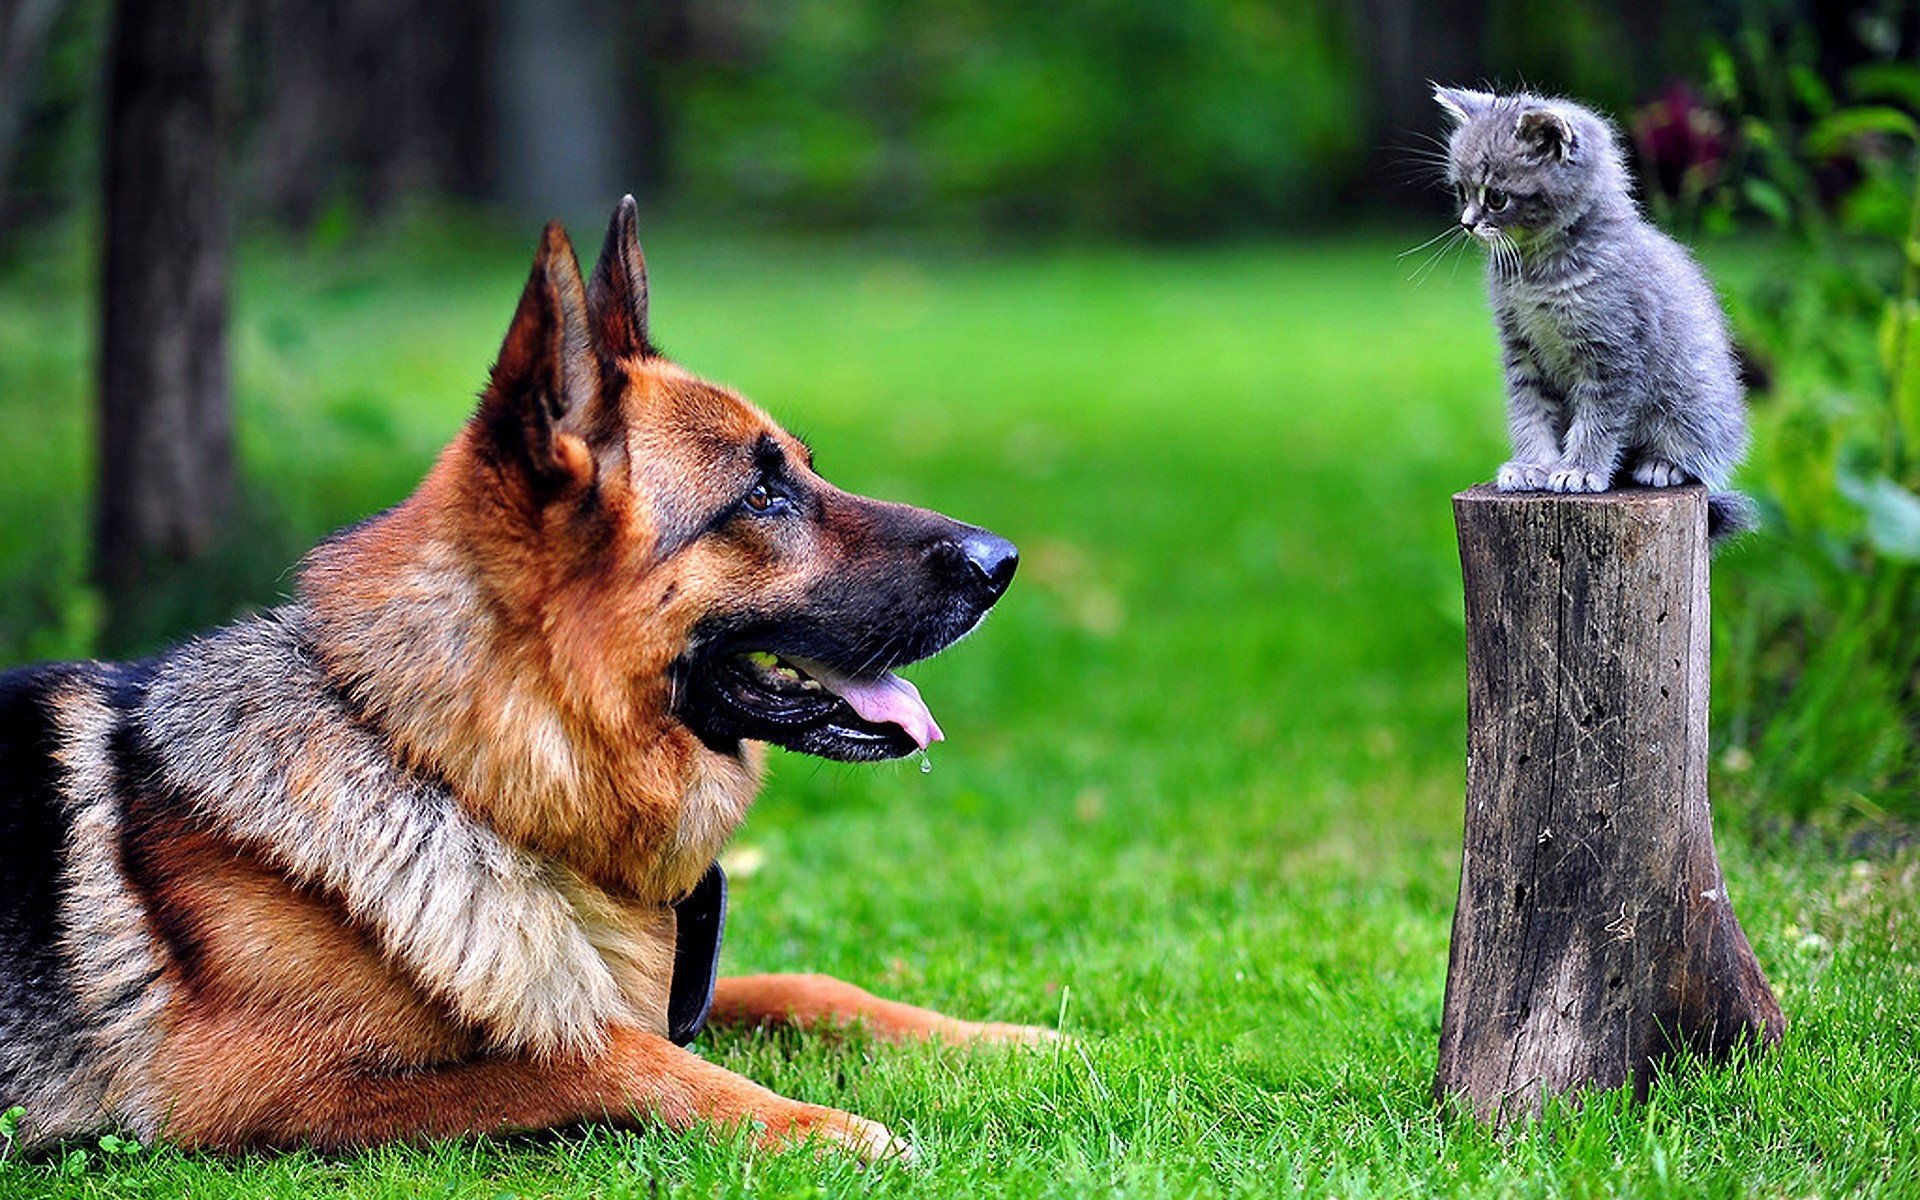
(888, 700)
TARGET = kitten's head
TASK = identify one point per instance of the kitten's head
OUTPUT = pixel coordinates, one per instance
(1524, 168)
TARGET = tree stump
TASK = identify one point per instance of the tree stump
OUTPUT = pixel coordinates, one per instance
(1593, 934)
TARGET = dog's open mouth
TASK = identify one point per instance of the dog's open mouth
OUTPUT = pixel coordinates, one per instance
(878, 700)
(807, 705)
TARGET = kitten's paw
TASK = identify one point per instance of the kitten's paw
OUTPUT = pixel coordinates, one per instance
(1520, 477)
(1658, 472)
(1572, 479)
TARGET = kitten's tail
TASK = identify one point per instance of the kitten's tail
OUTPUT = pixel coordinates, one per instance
(1730, 514)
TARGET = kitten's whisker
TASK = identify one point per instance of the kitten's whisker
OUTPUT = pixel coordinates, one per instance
(1425, 269)
(1454, 270)
(1433, 142)
(1405, 171)
(1420, 269)
(1513, 253)
(1430, 241)
(1500, 254)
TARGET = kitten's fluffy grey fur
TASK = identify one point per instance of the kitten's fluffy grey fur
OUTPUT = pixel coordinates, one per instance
(1616, 352)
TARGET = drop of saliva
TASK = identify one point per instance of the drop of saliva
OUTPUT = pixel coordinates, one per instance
(926, 764)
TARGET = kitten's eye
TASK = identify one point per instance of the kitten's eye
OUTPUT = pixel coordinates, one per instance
(1497, 200)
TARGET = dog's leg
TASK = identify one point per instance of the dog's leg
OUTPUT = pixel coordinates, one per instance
(253, 1092)
(820, 1001)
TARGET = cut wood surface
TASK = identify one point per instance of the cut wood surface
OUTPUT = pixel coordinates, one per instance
(1594, 935)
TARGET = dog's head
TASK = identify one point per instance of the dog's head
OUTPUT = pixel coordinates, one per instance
(667, 532)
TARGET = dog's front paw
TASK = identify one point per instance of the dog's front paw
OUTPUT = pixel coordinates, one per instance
(1519, 476)
(1573, 479)
(869, 1141)
(1658, 472)
(1001, 1033)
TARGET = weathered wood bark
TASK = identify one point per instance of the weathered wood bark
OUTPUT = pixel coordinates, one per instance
(165, 428)
(1594, 934)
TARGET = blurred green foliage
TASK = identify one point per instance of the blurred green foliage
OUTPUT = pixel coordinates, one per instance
(1131, 116)
(1821, 653)
(1161, 118)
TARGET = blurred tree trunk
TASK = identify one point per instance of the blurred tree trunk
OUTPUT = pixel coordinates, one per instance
(25, 26)
(371, 101)
(562, 144)
(419, 71)
(294, 163)
(661, 32)
(455, 114)
(165, 421)
(1407, 48)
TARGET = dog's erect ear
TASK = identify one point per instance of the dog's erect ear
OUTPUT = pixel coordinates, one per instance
(617, 297)
(1461, 104)
(1546, 133)
(547, 380)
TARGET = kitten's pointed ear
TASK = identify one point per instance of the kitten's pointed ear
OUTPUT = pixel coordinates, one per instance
(1460, 104)
(1546, 133)
(617, 296)
(546, 380)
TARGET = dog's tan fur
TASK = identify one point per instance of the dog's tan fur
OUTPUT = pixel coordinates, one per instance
(397, 860)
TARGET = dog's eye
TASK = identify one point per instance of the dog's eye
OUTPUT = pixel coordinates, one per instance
(1497, 200)
(766, 500)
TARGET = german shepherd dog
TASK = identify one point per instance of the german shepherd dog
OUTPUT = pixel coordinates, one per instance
(429, 850)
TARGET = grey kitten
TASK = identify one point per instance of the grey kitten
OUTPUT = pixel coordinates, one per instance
(1615, 348)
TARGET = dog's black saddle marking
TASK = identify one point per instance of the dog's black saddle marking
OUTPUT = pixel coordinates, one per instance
(702, 921)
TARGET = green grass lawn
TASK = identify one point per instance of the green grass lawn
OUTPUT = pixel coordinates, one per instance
(1200, 804)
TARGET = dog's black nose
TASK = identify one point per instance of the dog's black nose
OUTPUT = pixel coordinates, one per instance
(991, 558)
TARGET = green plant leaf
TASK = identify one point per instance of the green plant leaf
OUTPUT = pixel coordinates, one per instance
(1769, 199)
(1899, 316)
(1723, 74)
(1896, 81)
(1835, 134)
(1759, 134)
(1893, 514)
(1810, 89)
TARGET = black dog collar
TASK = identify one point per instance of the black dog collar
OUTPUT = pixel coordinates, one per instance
(701, 921)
